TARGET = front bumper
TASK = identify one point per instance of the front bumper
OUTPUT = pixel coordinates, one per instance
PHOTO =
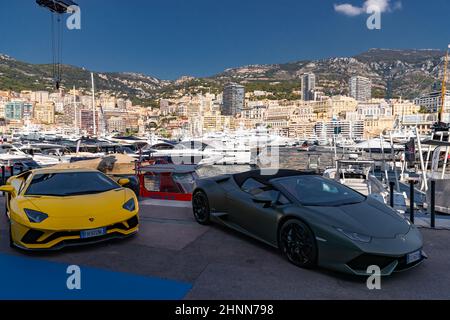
(36, 239)
(338, 253)
(387, 264)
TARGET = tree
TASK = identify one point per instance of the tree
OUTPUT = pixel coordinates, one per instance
(423, 110)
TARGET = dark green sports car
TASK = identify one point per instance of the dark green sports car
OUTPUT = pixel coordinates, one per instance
(314, 221)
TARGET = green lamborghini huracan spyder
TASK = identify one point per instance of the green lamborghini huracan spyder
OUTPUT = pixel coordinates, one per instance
(314, 221)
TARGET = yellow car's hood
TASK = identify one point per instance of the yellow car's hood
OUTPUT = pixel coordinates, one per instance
(81, 212)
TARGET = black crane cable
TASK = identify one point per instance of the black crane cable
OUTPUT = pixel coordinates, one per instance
(57, 40)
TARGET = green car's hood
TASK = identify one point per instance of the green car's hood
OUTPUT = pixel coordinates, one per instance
(370, 218)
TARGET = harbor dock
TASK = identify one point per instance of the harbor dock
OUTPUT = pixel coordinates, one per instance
(212, 262)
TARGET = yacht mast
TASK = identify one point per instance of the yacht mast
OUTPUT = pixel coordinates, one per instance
(93, 104)
(75, 110)
(444, 90)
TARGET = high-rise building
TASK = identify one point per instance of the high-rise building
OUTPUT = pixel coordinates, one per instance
(45, 113)
(360, 88)
(40, 97)
(432, 101)
(233, 99)
(87, 120)
(117, 124)
(308, 86)
(18, 110)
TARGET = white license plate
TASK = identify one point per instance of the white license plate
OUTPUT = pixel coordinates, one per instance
(92, 233)
(413, 257)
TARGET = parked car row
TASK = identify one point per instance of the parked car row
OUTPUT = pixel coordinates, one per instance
(312, 220)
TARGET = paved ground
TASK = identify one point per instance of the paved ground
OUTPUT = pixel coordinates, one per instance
(423, 219)
(222, 264)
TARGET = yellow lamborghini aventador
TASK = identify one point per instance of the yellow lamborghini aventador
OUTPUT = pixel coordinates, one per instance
(51, 209)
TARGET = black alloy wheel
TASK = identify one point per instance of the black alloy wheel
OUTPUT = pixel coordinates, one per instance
(297, 244)
(200, 206)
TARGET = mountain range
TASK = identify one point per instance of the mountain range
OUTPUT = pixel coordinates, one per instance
(406, 73)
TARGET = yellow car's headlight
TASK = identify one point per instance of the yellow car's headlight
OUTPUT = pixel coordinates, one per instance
(35, 216)
(130, 205)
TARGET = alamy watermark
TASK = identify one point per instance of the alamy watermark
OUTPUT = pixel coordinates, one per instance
(73, 22)
(374, 20)
(74, 280)
(374, 280)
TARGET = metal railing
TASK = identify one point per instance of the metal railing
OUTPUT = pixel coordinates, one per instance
(412, 204)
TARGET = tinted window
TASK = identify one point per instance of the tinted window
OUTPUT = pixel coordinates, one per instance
(251, 184)
(256, 188)
(69, 184)
(275, 195)
(318, 191)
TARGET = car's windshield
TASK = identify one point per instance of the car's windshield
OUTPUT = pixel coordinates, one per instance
(318, 191)
(70, 184)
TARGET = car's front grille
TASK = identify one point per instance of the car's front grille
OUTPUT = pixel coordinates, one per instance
(133, 222)
(366, 260)
(32, 236)
(80, 241)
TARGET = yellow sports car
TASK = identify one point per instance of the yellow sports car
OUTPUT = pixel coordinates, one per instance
(51, 208)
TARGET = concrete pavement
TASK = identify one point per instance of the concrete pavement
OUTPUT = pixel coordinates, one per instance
(221, 264)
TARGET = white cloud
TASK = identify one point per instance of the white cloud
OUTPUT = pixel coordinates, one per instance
(348, 9)
(381, 5)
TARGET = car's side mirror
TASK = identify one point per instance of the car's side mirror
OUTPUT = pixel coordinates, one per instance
(265, 199)
(124, 181)
(8, 189)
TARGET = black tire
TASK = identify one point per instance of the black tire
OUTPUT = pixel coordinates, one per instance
(200, 207)
(298, 244)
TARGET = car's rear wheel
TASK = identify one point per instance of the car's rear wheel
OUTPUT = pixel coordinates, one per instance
(298, 244)
(200, 206)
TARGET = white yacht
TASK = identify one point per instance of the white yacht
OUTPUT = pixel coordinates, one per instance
(358, 175)
(200, 153)
(180, 153)
(10, 156)
(45, 154)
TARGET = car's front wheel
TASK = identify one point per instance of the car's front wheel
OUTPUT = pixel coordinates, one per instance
(200, 206)
(298, 244)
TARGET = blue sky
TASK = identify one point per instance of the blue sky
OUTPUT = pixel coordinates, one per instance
(171, 38)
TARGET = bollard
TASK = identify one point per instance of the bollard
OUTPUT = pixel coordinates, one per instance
(433, 204)
(411, 201)
(391, 190)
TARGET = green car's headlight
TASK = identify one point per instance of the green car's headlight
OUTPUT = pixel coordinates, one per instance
(35, 216)
(130, 205)
(355, 236)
